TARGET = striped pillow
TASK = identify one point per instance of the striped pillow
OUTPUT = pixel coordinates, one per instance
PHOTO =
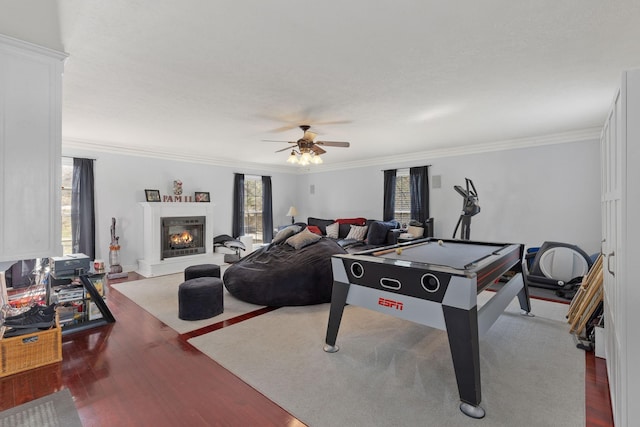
(357, 232)
(332, 230)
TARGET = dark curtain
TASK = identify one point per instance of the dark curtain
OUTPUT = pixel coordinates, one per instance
(419, 188)
(237, 226)
(267, 210)
(388, 210)
(83, 220)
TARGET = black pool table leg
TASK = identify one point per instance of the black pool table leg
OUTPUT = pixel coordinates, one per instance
(523, 295)
(338, 301)
(462, 330)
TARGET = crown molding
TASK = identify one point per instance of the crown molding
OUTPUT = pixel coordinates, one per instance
(582, 135)
(71, 144)
(21, 45)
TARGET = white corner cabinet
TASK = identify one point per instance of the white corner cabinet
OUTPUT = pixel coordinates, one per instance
(620, 201)
(30, 150)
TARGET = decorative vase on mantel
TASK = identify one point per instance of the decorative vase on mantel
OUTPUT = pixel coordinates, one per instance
(177, 187)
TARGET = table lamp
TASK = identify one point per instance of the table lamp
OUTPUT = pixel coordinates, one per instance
(292, 213)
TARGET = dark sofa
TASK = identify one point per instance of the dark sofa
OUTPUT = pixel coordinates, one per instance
(379, 233)
(295, 268)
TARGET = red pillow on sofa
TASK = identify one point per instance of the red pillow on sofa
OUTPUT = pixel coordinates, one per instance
(354, 221)
(314, 229)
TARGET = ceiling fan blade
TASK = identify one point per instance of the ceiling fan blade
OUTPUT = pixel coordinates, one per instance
(283, 149)
(333, 122)
(284, 128)
(317, 149)
(333, 143)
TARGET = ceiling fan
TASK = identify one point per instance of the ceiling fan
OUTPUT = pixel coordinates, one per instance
(309, 151)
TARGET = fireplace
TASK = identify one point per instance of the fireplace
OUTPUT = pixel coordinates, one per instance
(154, 261)
(182, 236)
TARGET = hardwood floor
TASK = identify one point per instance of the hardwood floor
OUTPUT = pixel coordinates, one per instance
(140, 372)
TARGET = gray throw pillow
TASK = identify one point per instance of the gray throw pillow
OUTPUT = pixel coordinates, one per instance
(378, 232)
(285, 233)
(302, 239)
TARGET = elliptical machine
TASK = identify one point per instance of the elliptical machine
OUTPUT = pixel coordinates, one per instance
(470, 208)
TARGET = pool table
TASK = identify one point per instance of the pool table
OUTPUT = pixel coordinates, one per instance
(434, 283)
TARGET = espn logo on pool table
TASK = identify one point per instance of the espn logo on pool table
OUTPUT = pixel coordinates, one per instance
(390, 303)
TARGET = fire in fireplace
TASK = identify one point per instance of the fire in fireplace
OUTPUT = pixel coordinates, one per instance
(181, 240)
(184, 235)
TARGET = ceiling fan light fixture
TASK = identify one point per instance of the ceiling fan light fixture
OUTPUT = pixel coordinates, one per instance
(308, 151)
(309, 136)
(305, 158)
(293, 159)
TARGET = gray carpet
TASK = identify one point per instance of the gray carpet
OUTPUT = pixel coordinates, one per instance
(390, 372)
(159, 296)
(54, 410)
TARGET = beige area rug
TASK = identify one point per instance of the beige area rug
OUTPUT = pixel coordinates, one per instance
(159, 296)
(391, 372)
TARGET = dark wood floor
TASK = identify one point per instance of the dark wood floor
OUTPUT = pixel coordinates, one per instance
(139, 372)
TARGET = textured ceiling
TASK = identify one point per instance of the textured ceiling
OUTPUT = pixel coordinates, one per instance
(211, 79)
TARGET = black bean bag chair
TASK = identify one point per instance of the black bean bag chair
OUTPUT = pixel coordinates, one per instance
(279, 275)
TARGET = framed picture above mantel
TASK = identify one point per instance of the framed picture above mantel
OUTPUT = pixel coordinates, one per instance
(202, 196)
(198, 197)
(152, 195)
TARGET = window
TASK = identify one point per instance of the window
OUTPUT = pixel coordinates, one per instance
(253, 207)
(402, 210)
(67, 181)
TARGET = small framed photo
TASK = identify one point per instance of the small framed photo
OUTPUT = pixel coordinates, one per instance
(202, 196)
(152, 195)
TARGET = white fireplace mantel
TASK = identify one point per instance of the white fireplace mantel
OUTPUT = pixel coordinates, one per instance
(152, 264)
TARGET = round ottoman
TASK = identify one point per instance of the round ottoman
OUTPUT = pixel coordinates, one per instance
(200, 298)
(201, 270)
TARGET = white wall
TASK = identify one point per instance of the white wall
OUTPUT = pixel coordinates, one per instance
(120, 181)
(34, 21)
(527, 195)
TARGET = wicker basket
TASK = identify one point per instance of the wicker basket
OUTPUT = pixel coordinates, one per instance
(30, 351)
